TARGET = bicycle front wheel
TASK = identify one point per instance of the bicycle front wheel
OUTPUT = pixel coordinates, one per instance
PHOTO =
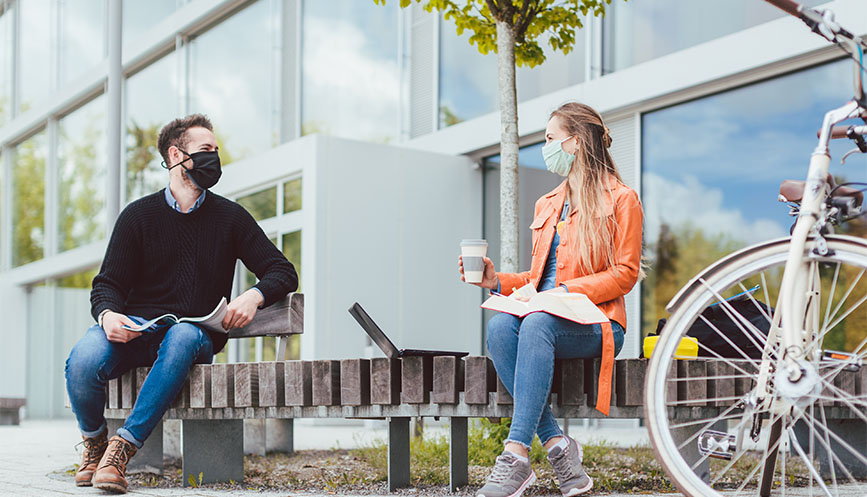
(724, 424)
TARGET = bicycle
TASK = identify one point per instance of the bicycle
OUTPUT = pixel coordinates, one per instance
(770, 429)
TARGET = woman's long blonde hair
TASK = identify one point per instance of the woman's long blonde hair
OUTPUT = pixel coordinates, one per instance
(588, 184)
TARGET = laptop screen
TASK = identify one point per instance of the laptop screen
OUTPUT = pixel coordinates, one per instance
(373, 331)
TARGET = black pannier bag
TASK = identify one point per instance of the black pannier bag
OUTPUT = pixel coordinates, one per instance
(754, 311)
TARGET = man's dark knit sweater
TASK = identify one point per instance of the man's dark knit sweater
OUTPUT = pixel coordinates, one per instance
(161, 261)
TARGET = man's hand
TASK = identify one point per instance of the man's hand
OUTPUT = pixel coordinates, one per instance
(112, 324)
(242, 309)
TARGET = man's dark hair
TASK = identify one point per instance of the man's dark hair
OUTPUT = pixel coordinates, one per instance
(175, 133)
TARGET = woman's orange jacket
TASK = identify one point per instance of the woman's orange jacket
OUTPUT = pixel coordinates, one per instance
(605, 286)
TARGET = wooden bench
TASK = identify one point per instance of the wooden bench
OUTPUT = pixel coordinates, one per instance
(217, 398)
(9, 410)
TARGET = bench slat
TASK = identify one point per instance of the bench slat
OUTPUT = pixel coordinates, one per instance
(448, 379)
(271, 389)
(629, 386)
(591, 381)
(298, 383)
(128, 389)
(326, 383)
(222, 385)
(416, 379)
(355, 382)
(720, 388)
(479, 379)
(246, 384)
(200, 386)
(113, 393)
(503, 395)
(571, 382)
(385, 381)
(693, 389)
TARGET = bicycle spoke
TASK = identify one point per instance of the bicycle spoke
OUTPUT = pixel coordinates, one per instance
(831, 297)
(808, 462)
(740, 321)
(843, 301)
(705, 422)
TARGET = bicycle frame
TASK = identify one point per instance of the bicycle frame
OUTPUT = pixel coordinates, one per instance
(812, 212)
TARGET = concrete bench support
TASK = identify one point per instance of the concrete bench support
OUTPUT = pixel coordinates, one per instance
(853, 431)
(148, 459)
(214, 449)
(458, 446)
(9, 410)
(398, 453)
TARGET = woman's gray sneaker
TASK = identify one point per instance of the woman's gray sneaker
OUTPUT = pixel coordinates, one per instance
(568, 468)
(509, 478)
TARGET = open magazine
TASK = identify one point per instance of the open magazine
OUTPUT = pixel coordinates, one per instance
(572, 306)
(212, 322)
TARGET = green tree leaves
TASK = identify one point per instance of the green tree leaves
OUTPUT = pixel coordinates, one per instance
(529, 19)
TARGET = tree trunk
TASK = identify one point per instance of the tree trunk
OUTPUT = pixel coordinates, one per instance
(508, 148)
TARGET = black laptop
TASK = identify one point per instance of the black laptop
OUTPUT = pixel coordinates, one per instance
(379, 338)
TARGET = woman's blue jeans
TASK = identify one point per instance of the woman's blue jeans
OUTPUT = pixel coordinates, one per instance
(170, 351)
(529, 345)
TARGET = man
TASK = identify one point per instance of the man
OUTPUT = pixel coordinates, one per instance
(173, 251)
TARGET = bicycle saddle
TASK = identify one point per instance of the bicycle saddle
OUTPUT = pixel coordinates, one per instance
(793, 191)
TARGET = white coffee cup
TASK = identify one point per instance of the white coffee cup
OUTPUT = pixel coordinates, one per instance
(473, 255)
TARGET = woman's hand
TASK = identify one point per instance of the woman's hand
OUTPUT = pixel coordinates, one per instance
(489, 278)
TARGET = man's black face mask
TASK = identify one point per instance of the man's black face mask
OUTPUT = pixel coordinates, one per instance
(205, 171)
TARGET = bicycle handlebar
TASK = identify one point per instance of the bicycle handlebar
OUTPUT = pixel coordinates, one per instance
(838, 132)
(787, 5)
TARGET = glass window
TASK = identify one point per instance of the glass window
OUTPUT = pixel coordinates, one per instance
(28, 200)
(292, 195)
(261, 205)
(6, 14)
(34, 52)
(150, 105)
(140, 16)
(233, 78)
(292, 251)
(81, 176)
(641, 30)
(350, 79)
(82, 42)
(711, 170)
(468, 79)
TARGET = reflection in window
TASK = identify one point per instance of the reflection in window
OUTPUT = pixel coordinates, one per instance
(140, 16)
(81, 176)
(468, 79)
(351, 78)
(34, 53)
(711, 171)
(292, 196)
(292, 251)
(146, 95)
(81, 44)
(636, 32)
(233, 78)
(6, 45)
(28, 200)
(261, 205)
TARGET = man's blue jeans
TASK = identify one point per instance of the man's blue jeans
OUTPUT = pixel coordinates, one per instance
(170, 351)
(529, 346)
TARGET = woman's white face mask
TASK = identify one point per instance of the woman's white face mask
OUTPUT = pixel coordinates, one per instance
(557, 160)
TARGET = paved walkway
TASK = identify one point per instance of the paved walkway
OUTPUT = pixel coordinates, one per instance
(35, 458)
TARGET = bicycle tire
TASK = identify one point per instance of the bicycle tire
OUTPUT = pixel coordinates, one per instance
(708, 287)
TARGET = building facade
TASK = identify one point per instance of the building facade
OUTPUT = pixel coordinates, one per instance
(711, 103)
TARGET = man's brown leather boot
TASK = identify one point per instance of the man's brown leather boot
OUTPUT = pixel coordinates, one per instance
(94, 448)
(110, 473)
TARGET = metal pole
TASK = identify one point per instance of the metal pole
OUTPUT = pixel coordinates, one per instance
(113, 123)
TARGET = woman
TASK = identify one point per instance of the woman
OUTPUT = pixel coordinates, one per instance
(586, 239)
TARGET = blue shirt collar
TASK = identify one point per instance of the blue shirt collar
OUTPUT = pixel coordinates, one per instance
(170, 199)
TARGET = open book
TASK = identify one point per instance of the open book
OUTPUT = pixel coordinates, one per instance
(212, 322)
(572, 306)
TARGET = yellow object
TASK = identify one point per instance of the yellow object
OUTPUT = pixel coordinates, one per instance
(686, 349)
